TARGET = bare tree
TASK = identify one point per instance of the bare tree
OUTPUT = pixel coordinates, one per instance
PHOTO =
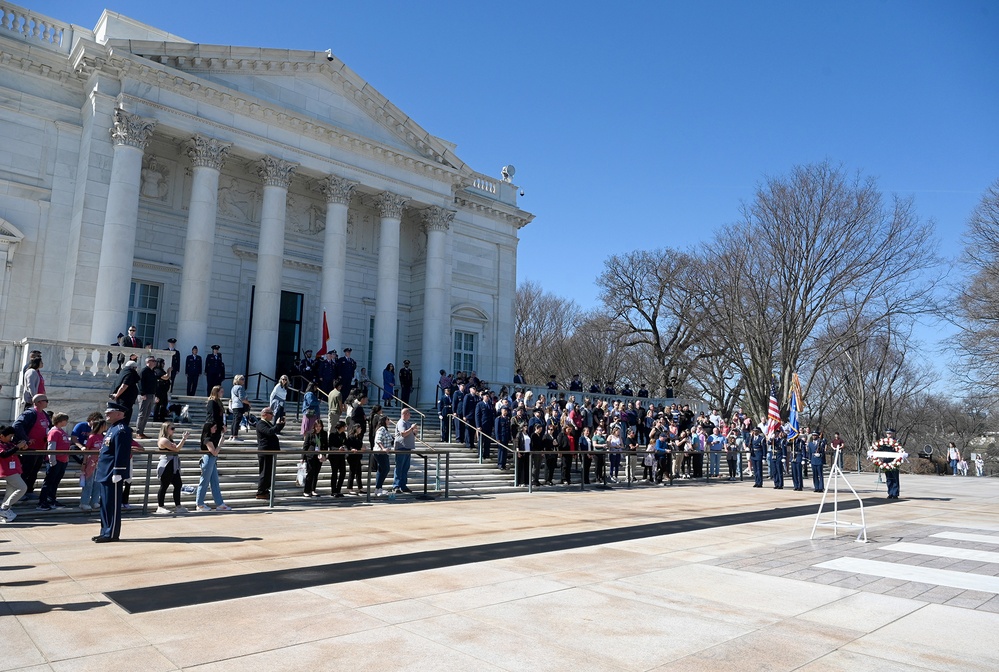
(978, 299)
(650, 294)
(545, 323)
(814, 248)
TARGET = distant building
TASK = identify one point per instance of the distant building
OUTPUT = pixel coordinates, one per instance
(229, 195)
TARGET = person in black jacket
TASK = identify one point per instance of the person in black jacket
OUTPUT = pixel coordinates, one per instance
(501, 432)
(267, 439)
(405, 381)
(192, 369)
(126, 390)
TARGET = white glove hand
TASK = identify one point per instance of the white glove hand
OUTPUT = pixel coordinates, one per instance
(115, 478)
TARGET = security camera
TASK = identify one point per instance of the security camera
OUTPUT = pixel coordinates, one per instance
(521, 192)
(329, 54)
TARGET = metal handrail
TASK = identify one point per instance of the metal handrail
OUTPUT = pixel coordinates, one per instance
(480, 434)
(422, 415)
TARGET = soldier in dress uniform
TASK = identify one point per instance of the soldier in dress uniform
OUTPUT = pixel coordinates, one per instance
(816, 457)
(405, 381)
(797, 450)
(444, 413)
(757, 451)
(778, 451)
(112, 468)
(192, 369)
(214, 368)
(891, 475)
(306, 368)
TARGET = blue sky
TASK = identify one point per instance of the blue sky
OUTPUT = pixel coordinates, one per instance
(642, 124)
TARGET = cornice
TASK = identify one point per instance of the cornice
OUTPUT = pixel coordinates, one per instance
(469, 202)
(306, 263)
(126, 64)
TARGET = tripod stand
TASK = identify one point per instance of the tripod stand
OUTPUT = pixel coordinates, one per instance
(835, 474)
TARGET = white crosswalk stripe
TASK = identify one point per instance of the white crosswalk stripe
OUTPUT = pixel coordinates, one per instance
(964, 536)
(944, 552)
(891, 570)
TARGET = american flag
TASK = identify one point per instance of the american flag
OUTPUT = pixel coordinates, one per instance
(773, 414)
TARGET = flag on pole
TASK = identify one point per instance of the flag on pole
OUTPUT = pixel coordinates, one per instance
(326, 337)
(773, 414)
(792, 431)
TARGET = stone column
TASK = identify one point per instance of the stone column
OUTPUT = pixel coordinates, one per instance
(130, 134)
(436, 318)
(337, 191)
(276, 176)
(207, 155)
(387, 295)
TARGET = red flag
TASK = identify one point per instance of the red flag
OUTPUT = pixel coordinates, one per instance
(326, 337)
(773, 413)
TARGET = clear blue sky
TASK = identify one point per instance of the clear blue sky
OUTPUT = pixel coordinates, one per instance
(639, 124)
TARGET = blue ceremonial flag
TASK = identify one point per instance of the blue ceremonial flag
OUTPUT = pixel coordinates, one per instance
(793, 420)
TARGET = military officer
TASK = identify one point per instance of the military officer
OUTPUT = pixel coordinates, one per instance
(112, 468)
(816, 457)
(757, 451)
(405, 381)
(444, 413)
(797, 450)
(214, 368)
(891, 475)
(778, 451)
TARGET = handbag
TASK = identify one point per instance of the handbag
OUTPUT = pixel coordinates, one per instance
(302, 471)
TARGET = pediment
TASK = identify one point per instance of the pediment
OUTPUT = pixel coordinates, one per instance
(305, 83)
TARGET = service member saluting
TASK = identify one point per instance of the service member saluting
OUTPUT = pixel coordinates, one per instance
(112, 468)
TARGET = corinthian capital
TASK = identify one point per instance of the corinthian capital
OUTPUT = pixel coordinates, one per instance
(207, 152)
(131, 129)
(436, 218)
(337, 189)
(275, 172)
(391, 205)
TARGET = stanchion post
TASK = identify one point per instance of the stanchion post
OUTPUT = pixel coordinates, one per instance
(149, 473)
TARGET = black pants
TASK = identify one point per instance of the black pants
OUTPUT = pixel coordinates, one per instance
(587, 461)
(354, 463)
(550, 461)
(600, 469)
(170, 477)
(523, 468)
(567, 469)
(30, 465)
(51, 484)
(265, 466)
(192, 385)
(339, 465)
(312, 467)
(237, 419)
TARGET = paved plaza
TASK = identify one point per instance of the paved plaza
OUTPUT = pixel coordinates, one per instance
(692, 577)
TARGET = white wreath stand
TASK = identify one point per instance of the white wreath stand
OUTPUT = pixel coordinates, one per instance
(835, 474)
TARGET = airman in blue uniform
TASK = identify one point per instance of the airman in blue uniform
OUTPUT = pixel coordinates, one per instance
(816, 457)
(778, 451)
(797, 450)
(112, 468)
(757, 451)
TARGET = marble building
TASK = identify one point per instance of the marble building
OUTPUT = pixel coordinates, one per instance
(230, 195)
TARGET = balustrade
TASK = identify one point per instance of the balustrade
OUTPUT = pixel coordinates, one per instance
(35, 28)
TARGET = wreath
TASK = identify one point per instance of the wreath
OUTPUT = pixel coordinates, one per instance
(885, 463)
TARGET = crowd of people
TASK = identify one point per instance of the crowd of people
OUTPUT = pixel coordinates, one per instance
(654, 444)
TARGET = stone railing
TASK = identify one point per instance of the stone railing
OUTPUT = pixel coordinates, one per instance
(62, 358)
(34, 28)
(483, 184)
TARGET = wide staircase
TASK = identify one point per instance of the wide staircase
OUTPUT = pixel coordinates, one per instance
(448, 469)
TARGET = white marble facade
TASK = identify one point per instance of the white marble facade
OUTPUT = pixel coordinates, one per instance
(217, 173)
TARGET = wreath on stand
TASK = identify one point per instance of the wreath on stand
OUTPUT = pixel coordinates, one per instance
(886, 463)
